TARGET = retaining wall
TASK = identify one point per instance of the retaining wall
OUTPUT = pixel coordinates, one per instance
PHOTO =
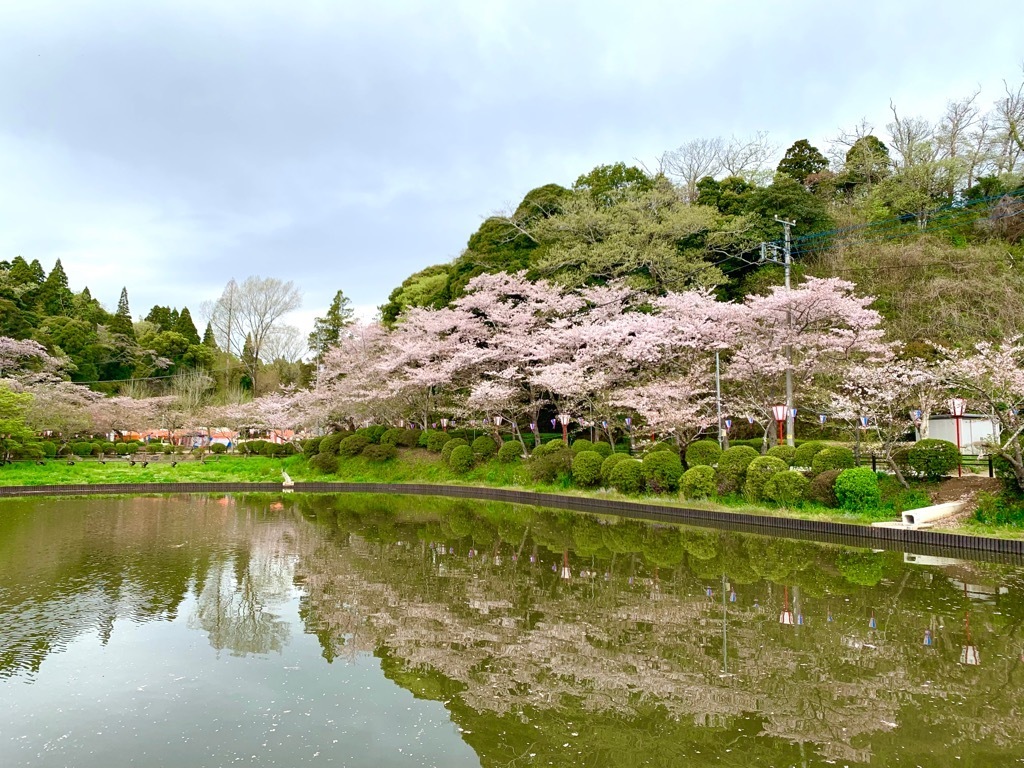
(915, 541)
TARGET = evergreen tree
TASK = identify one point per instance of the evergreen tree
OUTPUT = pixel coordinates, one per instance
(186, 327)
(327, 330)
(164, 318)
(122, 322)
(802, 160)
(55, 298)
(208, 337)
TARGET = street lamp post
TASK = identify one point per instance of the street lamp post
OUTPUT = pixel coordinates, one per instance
(957, 406)
(780, 412)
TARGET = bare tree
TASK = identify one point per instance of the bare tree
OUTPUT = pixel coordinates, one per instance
(285, 342)
(691, 162)
(1009, 129)
(747, 157)
(249, 313)
(912, 140)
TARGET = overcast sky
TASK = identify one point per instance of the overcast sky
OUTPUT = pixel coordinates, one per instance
(170, 146)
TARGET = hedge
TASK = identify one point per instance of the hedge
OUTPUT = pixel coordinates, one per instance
(662, 470)
(788, 487)
(836, 457)
(451, 445)
(698, 482)
(628, 476)
(759, 472)
(933, 458)
(703, 453)
(485, 447)
(586, 468)
(510, 452)
(857, 490)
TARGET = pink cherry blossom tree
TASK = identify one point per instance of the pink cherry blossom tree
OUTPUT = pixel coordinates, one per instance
(815, 330)
(886, 394)
(27, 361)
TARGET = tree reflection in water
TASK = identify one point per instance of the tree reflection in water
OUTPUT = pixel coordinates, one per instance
(664, 642)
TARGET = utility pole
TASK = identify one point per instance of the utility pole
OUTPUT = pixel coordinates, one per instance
(718, 395)
(787, 262)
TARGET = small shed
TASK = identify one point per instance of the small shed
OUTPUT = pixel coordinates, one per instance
(974, 428)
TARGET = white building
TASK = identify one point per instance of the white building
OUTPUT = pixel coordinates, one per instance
(974, 428)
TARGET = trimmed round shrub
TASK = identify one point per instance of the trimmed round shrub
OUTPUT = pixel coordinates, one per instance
(376, 432)
(608, 464)
(857, 490)
(732, 467)
(81, 448)
(698, 482)
(822, 489)
(168, 448)
(451, 445)
(578, 446)
(662, 470)
(548, 467)
(392, 436)
(461, 458)
(270, 450)
(836, 457)
(216, 448)
(933, 458)
(786, 453)
(550, 446)
(485, 447)
(353, 445)
(605, 449)
(409, 438)
(50, 448)
(628, 476)
(661, 446)
(436, 440)
(759, 472)
(586, 468)
(424, 436)
(788, 487)
(327, 463)
(109, 449)
(329, 443)
(311, 447)
(381, 452)
(805, 453)
(703, 453)
(122, 449)
(510, 452)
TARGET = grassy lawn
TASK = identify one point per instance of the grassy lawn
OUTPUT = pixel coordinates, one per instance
(221, 469)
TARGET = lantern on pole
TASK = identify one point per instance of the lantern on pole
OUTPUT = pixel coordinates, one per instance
(957, 406)
(822, 418)
(969, 653)
(566, 571)
(728, 424)
(779, 412)
(563, 419)
(786, 617)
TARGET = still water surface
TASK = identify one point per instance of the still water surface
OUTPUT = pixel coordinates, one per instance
(382, 631)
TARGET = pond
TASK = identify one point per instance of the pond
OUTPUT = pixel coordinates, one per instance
(401, 631)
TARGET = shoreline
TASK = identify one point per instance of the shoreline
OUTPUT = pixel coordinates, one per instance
(922, 542)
